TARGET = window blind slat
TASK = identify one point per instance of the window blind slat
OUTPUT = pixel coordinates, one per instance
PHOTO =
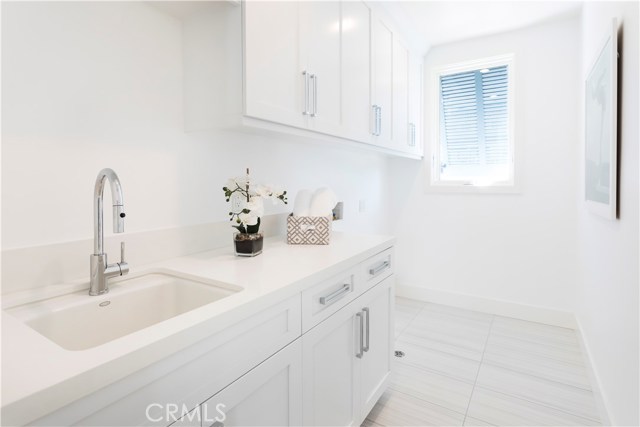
(475, 117)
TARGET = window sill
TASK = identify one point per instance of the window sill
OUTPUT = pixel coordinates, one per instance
(471, 189)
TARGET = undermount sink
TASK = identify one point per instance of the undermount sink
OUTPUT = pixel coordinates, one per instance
(78, 321)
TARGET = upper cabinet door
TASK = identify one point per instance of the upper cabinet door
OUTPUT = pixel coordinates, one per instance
(416, 78)
(274, 84)
(356, 68)
(382, 84)
(400, 131)
(320, 54)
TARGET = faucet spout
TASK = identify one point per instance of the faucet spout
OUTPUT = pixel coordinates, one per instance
(98, 209)
(100, 269)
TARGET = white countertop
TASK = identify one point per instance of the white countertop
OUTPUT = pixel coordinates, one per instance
(39, 377)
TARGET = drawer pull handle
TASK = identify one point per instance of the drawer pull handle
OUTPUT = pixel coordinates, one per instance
(375, 270)
(336, 295)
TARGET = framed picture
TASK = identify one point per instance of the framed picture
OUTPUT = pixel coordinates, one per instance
(601, 148)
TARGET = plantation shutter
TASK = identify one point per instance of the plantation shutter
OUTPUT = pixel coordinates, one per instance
(494, 107)
(474, 117)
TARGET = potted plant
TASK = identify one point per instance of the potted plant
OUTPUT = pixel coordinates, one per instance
(247, 206)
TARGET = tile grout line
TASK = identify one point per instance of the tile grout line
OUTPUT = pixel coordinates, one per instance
(426, 401)
(484, 349)
(524, 399)
(410, 321)
(444, 351)
(537, 376)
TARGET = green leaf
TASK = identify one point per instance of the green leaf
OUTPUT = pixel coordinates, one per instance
(251, 229)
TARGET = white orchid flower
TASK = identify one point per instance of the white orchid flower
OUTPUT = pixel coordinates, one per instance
(256, 206)
(263, 191)
(248, 218)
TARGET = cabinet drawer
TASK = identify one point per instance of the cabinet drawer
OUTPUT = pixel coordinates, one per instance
(188, 377)
(325, 298)
(378, 267)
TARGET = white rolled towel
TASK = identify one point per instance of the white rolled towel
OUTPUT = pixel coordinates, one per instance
(302, 203)
(322, 202)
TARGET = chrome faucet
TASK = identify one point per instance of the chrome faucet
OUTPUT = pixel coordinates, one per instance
(100, 269)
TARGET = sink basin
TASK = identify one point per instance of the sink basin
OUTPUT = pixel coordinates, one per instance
(78, 321)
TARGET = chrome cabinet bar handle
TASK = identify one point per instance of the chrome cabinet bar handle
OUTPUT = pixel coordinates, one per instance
(305, 81)
(413, 134)
(375, 270)
(374, 120)
(379, 120)
(366, 347)
(336, 295)
(360, 347)
(411, 141)
(314, 78)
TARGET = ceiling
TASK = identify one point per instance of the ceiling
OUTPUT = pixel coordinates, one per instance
(431, 23)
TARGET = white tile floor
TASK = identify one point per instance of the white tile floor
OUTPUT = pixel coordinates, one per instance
(467, 368)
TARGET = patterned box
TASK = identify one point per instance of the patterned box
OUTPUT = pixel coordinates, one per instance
(308, 230)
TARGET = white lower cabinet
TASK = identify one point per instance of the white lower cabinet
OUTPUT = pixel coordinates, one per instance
(375, 365)
(268, 395)
(330, 369)
(161, 392)
(347, 360)
(266, 370)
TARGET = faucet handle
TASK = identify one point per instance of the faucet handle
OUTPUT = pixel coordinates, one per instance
(122, 265)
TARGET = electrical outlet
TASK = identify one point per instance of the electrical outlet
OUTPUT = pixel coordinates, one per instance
(362, 206)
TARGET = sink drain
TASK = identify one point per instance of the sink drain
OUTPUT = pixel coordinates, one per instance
(399, 353)
(104, 303)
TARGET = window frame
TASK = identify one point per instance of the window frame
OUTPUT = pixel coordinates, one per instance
(434, 183)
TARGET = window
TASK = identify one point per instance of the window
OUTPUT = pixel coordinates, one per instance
(473, 145)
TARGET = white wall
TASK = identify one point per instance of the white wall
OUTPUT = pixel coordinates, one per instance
(88, 85)
(607, 308)
(518, 248)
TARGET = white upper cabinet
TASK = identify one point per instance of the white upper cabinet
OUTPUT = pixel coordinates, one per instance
(415, 104)
(400, 130)
(273, 69)
(382, 81)
(319, 46)
(356, 68)
(329, 67)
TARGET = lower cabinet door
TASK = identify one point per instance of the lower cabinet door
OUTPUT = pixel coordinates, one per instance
(330, 370)
(268, 395)
(346, 359)
(375, 365)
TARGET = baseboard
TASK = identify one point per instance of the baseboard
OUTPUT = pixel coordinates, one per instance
(594, 378)
(531, 313)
